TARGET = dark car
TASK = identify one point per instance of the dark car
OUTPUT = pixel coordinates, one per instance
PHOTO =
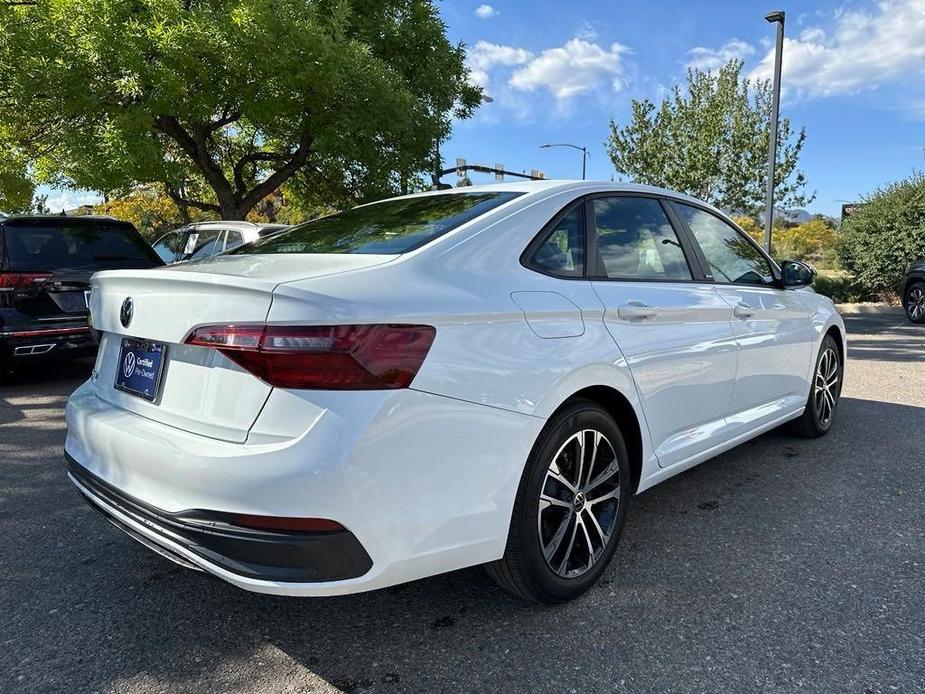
(45, 268)
(914, 292)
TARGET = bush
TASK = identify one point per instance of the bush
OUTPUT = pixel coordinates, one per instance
(880, 239)
(840, 287)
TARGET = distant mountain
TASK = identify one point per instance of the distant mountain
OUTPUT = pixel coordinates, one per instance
(795, 216)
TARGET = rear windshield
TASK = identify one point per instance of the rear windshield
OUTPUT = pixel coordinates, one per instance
(384, 228)
(83, 246)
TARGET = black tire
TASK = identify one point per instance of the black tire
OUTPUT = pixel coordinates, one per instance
(818, 416)
(524, 569)
(914, 302)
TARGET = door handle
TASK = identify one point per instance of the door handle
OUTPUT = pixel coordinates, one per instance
(635, 309)
(743, 310)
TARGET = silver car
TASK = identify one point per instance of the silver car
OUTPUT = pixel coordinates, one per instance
(205, 239)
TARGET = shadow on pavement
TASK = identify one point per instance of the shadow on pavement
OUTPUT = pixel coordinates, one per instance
(783, 563)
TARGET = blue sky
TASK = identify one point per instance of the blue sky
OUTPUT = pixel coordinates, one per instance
(854, 76)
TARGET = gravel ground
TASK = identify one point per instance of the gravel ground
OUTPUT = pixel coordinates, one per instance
(784, 565)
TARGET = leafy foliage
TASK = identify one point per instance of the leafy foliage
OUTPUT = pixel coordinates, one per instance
(344, 98)
(883, 237)
(710, 140)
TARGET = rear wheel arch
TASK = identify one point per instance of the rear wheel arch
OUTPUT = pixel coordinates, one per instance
(621, 410)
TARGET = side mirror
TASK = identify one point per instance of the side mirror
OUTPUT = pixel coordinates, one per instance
(795, 273)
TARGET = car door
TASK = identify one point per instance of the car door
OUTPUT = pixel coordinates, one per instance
(672, 327)
(773, 325)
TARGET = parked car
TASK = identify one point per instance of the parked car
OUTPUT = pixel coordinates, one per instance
(45, 267)
(914, 292)
(483, 375)
(205, 239)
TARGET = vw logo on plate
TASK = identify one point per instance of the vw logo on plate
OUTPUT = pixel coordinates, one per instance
(128, 366)
(125, 313)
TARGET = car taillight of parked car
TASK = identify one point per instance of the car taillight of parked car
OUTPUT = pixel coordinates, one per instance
(333, 357)
(11, 281)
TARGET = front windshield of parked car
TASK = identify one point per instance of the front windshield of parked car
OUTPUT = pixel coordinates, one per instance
(384, 228)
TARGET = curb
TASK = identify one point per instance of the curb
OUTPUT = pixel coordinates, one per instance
(870, 309)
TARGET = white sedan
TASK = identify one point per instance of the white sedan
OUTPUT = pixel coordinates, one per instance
(478, 376)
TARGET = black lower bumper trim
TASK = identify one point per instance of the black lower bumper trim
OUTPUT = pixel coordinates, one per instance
(258, 554)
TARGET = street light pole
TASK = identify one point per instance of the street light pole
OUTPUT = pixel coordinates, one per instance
(584, 155)
(778, 18)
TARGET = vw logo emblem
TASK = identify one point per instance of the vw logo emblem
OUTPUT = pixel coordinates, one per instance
(128, 366)
(125, 313)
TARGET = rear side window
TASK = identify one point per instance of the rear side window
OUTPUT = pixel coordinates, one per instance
(384, 228)
(562, 251)
(64, 245)
(635, 240)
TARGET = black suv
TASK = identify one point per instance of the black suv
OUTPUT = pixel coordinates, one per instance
(45, 268)
(914, 292)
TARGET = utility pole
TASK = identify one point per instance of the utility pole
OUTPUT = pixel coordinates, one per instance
(778, 18)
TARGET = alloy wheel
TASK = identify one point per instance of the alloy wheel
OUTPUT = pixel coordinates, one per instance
(826, 388)
(915, 303)
(578, 505)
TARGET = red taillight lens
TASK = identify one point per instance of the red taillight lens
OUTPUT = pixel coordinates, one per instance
(12, 281)
(333, 357)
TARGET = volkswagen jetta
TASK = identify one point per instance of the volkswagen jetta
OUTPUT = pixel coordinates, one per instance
(478, 376)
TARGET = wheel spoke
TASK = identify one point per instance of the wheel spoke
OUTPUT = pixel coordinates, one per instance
(563, 567)
(597, 527)
(546, 501)
(553, 546)
(553, 473)
(612, 494)
(612, 469)
(591, 557)
(596, 438)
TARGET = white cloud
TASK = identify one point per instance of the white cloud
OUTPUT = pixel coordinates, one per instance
(862, 51)
(485, 11)
(485, 56)
(577, 67)
(59, 199)
(712, 59)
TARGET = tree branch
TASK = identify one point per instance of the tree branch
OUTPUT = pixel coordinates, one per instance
(251, 158)
(198, 204)
(280, 175)
(194, 144)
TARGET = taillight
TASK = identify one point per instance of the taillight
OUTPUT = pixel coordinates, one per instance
(11, 281)
(331, 357)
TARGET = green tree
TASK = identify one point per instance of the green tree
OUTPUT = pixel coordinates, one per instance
(880, 239)
(230, 97)
(710, 140)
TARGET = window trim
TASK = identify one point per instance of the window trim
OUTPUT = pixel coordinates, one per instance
(540, 238)
(775, 269)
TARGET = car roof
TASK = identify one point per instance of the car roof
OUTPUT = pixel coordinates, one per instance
(549, 186)
(59, 219)
(231, 224)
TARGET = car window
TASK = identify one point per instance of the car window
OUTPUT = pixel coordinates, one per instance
(233, 239)
(562, 252)
(635, 240)
(731, 256)
(202, 243)
(53, 245)
(391, 226)
(170, 245)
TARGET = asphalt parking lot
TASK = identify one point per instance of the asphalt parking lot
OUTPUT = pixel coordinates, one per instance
(784, 565)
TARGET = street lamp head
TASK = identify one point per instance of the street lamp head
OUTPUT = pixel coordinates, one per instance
(776, 16)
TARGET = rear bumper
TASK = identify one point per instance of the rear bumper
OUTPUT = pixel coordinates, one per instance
(35, 341)
(249, 554)
(425, 484)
